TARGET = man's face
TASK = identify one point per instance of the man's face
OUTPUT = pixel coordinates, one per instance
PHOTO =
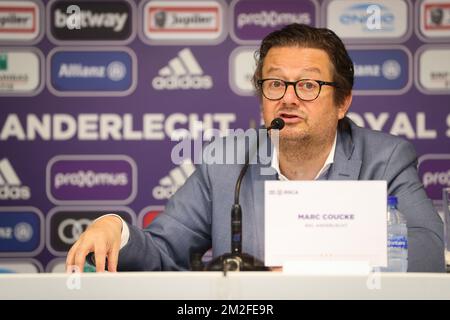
(303, 119)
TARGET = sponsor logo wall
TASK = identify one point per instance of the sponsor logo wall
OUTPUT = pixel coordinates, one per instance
(94, 94)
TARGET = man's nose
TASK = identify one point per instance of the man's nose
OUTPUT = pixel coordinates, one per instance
(290, 96)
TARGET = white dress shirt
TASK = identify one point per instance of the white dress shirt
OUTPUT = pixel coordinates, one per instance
(275, 164)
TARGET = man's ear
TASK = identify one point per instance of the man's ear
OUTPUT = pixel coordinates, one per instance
(345, 105)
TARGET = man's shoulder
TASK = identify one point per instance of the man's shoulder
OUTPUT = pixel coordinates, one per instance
(372, 146)
(368, 136)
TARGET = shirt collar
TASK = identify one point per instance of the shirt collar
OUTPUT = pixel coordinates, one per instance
(275, 164)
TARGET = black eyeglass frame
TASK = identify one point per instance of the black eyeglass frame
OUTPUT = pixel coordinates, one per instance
(294, 84)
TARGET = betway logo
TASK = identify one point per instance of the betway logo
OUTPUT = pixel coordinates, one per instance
(176, 178)
(182, 72)
(11, 187)
(88, 19)
(90, 179)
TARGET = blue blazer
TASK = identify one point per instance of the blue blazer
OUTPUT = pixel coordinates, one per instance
(197, 217)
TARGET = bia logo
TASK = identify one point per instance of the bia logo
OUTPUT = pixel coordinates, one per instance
(149, 217)
(148, 214)
(182, 72)
(11, 187)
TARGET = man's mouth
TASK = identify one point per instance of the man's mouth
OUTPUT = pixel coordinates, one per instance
(290, 117)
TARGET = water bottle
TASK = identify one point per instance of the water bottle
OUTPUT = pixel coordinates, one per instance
(397, 242)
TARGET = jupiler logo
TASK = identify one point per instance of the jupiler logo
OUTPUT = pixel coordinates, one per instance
(11, 187)
(182, 72)
(183, 19)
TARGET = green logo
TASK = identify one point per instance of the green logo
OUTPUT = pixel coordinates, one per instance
(3, 62)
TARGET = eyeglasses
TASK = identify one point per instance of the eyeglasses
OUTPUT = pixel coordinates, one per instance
(305, 89)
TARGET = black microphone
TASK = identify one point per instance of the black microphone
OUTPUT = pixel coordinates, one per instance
(236, 260)
(236, 211)
(276, 124)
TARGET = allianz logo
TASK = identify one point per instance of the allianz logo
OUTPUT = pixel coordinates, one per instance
(173, 181)
(441, 178)
(182, 72)
(114, 71)
(11, 187)
(358, 14)
(88, 19)
(90, 179)
(271, 19)
(21, 232)
(390, 69)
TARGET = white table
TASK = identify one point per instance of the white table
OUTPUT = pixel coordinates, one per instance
(214, 285)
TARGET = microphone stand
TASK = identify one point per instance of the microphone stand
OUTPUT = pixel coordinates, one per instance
(237, 260)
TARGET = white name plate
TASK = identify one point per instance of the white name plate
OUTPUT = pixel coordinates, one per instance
(325, 221)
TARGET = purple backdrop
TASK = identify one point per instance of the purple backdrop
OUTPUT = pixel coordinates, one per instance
(159, 67)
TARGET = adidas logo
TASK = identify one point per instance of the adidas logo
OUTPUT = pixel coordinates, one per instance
(176, 178)
(182, 72)
(11, 187)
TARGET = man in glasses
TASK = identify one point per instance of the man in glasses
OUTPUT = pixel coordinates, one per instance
(305, 77)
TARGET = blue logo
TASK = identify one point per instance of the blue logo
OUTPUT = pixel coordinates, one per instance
(398, 242)
(91, 71)
(380, 69)
(19, 231)
(358, 15)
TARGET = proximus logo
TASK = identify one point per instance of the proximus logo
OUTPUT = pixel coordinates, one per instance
(436, 178)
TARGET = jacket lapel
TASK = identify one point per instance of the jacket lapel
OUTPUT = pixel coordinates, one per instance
(345, 165)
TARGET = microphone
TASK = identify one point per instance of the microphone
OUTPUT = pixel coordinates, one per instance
(236, 260)
(276, 124)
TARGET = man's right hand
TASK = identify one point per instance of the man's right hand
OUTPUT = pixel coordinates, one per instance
(103, 238)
